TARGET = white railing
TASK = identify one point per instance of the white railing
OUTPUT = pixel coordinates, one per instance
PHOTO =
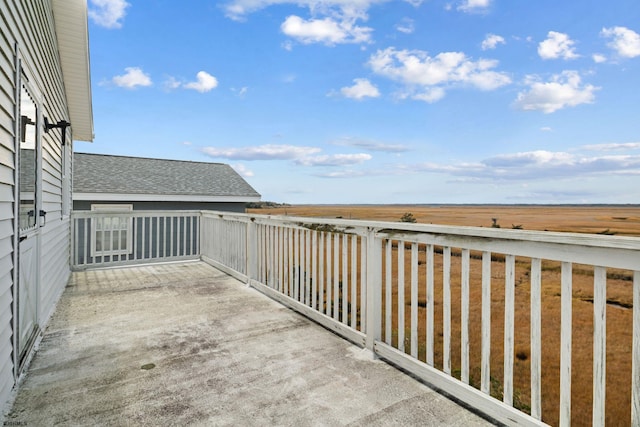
(101, 239)
(511, 322)
(224, 241)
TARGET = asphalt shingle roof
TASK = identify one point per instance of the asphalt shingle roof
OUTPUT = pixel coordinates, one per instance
(99, 173)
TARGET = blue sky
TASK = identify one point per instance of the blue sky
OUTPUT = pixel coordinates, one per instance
(373, 101)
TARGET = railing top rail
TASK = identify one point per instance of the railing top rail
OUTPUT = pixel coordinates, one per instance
(406, 230)
(116, 213)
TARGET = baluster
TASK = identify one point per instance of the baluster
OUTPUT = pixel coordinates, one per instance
(565, 344)
(321, 264)
(446, 309)
(599, 344)
(388, 285)
(307, 267)
(336, 277)
(536, 338)
(354, 280)
(414, 300)
(401, 296)
(464, 296)
(364, 267)
(328, 313)
(314, 271)
(485, 380)
(430, 305)
(509, 316)
(345, 279)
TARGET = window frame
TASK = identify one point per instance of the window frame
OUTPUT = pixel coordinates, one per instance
(25, 85)
(97, 226)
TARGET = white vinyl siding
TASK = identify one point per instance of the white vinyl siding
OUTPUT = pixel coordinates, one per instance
(30, 25)
(7, 170)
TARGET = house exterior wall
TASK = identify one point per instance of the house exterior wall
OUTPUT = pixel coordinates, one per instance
(28, 50)
(85, 205)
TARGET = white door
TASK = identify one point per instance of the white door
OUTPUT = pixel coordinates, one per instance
(28, 190)
(27, 296)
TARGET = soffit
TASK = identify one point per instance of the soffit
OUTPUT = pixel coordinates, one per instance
(70, 17)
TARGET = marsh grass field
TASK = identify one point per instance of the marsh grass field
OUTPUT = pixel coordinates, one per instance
(620, 220)
(607, 220)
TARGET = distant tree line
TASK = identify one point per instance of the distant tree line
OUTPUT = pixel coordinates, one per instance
(265, 205)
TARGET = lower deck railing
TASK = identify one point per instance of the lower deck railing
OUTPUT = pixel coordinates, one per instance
(102, 239)
(511, 322)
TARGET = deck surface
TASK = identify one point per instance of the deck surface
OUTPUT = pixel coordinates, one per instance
(185, 344)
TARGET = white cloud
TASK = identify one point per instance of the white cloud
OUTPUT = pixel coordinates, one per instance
(334, 160)
(239, 9)
(599, 58)
(108, 13)
(546, 129)
(539, 157)
(426, 78)
(491, 41)
(328, 30)
(525, 167)
(406, 26)
(564, 90)
(429, 95)
(362, 88)
(533, 165)
(133, 78)
(171, 83)
(613, 146)
(243, 91)
(287, 45)
(261, 152)
(471, 6)
(371, 145)
(624, 41)
(299, 155)
(204, 83)
(347, 173)
(557, 45)
(330, 22)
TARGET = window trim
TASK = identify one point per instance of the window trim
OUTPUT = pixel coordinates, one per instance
(128, 229)
(35, 95)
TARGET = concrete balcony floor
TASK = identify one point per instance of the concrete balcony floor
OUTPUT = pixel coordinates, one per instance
(185, 344)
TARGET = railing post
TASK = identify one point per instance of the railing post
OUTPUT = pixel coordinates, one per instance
(252, 251)
(373, 310)
(73, 247)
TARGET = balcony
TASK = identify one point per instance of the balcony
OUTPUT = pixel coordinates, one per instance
(185, 344)
(511, 323)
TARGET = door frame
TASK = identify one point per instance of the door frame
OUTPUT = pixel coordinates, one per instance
(24, 76)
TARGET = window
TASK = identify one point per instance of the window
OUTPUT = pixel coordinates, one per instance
(28, 161)
(112, 235)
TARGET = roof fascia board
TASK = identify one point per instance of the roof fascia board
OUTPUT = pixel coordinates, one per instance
(72, 33)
